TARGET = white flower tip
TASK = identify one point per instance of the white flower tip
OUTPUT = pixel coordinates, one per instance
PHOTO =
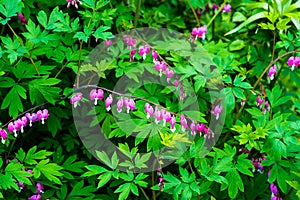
(293, 67)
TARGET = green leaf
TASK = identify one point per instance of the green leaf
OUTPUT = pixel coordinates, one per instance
(238, 17)
(42, 18)
(124, 191)
(238, 81)
(198, 3)
(8, 182)
(93, 170)
(236, 45)
(104, 178)
(101, 34)
(243, 165)
(229, 100)
(104, 158)
(20, 155)
(16, 105)
(32, 155)
(14, 49)
(10, 8)
(235, 182)
(15, 169)
(6, 82)
(73, 166)
(248, 21)
(81, 36)
(79, 190)
(89, 3)
(34, 33)
(43, 87)
(238, 92)
(49, 170)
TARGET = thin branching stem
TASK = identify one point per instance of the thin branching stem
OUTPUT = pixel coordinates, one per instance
(194, 12)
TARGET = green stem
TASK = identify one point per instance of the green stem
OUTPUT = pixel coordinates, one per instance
(80, 51)
(153, 181)
(194, 12)
(2, 30)
(34, 65)
(216, 14)
(18, 38)
(144, 193)
(190, 165)
(137, 12)
(60, 70)
(274, 43)
(79, 58)
(7, 155)
(21, 43)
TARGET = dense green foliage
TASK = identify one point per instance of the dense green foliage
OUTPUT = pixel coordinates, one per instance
(242, 66)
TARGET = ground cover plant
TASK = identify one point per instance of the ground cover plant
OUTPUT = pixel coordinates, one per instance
(124, 99)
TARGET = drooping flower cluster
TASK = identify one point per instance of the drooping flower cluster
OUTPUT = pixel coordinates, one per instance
(242, 102)
(274, 190)
(215, 7)
(73, 3)
(108, 43)
(154, 55)
(167, 117)
(3, 136)
(293, 62)
(126, 102)
(131, 42)
(182, 94)
(259, 102)
(22, 18)
(199, 32)
(216, 110)
(144, 50)
(265, 107)
(75, 99)
(38, 191)
(272, 72)
(257, 164)
(161, 180)
(108, 102)
(21, 123)
(160, 66)
(226, 8)
(244, 150)
(96, 95)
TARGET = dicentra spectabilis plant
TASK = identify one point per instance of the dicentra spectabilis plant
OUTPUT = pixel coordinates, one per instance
(203, 104)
